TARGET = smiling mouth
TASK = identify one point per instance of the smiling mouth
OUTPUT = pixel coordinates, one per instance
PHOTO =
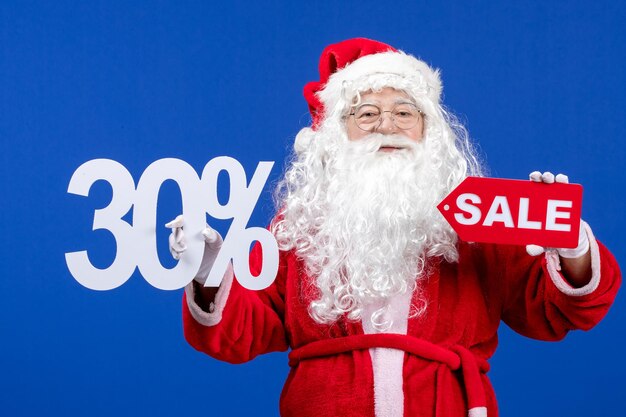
(390, 148)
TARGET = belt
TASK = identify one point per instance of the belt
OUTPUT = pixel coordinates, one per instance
(455, 357)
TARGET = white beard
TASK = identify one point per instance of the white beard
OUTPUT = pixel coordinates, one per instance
(370, 227)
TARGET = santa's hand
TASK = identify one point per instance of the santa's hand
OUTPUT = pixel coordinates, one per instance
(583, 240)
(178, 245)
(177, 237)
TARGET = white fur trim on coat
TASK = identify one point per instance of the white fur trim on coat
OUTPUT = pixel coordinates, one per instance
(477, 412)
(388, 364)
(214, 316)
(554, 268)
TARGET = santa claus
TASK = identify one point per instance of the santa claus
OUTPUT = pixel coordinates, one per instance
(385, 311)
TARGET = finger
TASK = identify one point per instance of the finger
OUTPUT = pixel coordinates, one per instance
(177, 246)
(176, 255)
(547, 177)
(179, 235)
(562, 178)
(212, 238)
(534, 250)
(535, 176)
(210, 235)
(177, 222)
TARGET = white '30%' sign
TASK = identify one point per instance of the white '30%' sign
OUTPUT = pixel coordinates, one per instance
(136, 243)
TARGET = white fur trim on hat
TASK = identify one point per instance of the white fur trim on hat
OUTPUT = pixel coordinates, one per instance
(387, 69)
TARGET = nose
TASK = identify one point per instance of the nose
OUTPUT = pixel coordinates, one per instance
(386, 123)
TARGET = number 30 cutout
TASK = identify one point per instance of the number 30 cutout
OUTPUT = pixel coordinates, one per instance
(136, 244)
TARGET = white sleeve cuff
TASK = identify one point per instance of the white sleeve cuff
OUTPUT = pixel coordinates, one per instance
(217, 307)
(554, 267)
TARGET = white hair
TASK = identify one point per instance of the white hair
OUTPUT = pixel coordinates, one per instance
(365, 223)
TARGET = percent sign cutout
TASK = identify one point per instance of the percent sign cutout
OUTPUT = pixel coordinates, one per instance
(239, 207)
(136, 244)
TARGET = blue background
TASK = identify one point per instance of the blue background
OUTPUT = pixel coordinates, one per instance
(539, 84)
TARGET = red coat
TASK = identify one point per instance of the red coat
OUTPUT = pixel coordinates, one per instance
(439, 372)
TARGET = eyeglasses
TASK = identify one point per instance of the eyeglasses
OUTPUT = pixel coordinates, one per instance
(368, 117)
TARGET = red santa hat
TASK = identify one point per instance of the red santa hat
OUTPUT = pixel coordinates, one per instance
(359, 64)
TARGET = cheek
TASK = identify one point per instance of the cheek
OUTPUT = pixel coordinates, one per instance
(354, 133)
(417, 133)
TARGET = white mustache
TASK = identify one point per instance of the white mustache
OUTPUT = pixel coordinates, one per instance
(375, 141)
(397, 142)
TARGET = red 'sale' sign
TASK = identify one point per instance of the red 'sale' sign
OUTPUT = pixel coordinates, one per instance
(514, 212)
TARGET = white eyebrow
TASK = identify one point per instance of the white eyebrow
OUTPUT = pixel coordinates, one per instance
(397, 101)
(404, 101)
